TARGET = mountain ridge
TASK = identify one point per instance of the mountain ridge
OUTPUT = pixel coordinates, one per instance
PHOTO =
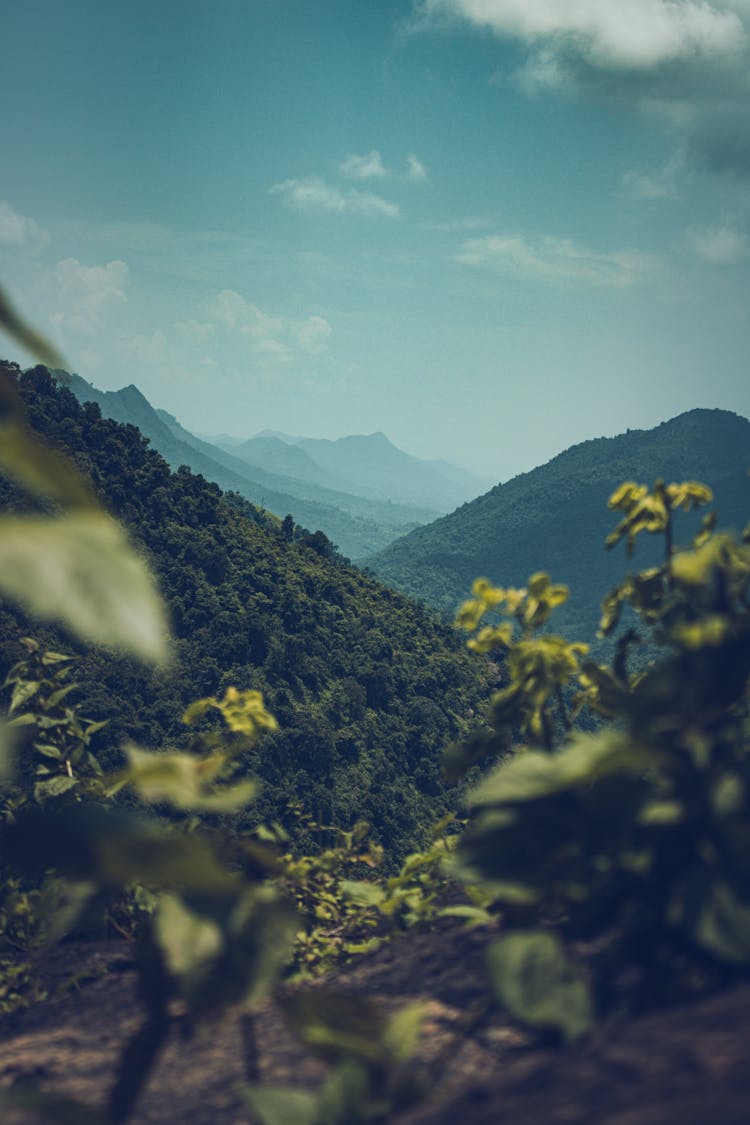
(554, 517)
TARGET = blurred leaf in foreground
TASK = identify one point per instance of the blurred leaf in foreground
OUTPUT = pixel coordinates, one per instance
(81, 570)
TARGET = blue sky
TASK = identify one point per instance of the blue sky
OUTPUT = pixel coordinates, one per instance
(489, 228)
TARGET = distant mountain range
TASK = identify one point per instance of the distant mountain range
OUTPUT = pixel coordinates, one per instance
(555, 518)
(362, 492)
(367, 465)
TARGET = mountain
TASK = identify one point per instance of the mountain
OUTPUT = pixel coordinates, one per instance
(367, 464)
(555, 518)
(366, 686)
(357, 525)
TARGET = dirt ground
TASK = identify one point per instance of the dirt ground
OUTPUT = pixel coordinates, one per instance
(687, 1065)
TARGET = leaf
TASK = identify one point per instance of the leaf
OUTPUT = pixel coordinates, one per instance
(24, 334)
(475, 915)
(54, 786)
(532, 977)
(81, 570)
(180, 779)
(363, 893)
(58, 696)
(337, 1024)
(281, 1105)
(582, 761)
(187, 940)
(23, 691)
(7, 755)
(402, 1032)
(723, 925)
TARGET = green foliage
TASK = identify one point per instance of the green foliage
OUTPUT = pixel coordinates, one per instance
(76, 567)
(45, 722)
(636, 835)
(365, 686)
(531, 976)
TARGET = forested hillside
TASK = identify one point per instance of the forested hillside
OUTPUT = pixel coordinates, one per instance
(366, 687)
(358, 525)
(558, 513)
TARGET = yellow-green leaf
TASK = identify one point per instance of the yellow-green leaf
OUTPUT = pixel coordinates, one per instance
(81, 570)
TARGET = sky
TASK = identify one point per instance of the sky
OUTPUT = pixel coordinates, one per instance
(488, 228)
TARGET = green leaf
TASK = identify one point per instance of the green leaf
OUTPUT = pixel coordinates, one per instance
(723, 925)
(23, 692)
(281, 1105)
(337, 1024)
(532, 977)
(81, 570)
(180, 780)
(364, 894)
(187, 940)
(7, 755)
(58, 696)
(23, 333)
(54, 786)
(48, 750)
(587, 757)
(402, 1032)
(476, 915)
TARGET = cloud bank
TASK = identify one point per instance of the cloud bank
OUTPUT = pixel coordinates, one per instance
(555, 260)
(313, 194)
(688, 60)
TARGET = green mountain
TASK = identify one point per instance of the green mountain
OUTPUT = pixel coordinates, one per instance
(555, 518)
(367, 686)
(357, 525)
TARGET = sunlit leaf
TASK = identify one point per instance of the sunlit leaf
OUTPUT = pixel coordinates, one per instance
(81, 570)
(402, 1032)
(181, 780)
(529, 776)
(532, 977)
(280, 1105)
(186, 939)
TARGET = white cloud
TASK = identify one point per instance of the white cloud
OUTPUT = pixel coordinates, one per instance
(86, 293)
(314, 194)
(196, 331)
(661, 183)
(367, 167)
(720, 245)
(232, 310)
(313, 335)
(686, 60)
(19, 230)
(637, 34)
(275, 344)
(370, 166)
(415, 169)
(554, 260)
(151, 350)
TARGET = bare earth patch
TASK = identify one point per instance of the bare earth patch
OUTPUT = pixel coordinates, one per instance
(688, 1065)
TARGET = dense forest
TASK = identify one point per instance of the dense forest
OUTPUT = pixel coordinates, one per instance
(367, 688)
(548, 513)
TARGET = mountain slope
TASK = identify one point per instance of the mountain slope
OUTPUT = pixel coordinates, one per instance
(366, 686)
(357, 526)
(555, 518)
